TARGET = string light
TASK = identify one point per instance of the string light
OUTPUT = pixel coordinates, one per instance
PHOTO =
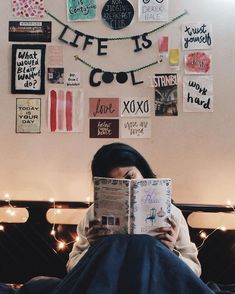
(2, 228)
(229, 204)
(203, 235)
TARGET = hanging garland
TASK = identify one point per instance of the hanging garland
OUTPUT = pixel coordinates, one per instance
(102, 42)
(108, 76)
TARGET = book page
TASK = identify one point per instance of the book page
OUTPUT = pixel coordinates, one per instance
(150, 204)
(111, 203)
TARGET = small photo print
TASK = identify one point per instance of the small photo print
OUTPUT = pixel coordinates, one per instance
(55, 75)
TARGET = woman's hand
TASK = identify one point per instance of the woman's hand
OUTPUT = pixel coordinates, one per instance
(96, 230)
(167, 235)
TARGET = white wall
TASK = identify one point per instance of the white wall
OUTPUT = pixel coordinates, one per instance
(197, 150)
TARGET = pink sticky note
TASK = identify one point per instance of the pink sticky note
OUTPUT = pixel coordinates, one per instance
(163, 44)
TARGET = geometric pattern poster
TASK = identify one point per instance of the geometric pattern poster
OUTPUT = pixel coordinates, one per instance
(65, 110)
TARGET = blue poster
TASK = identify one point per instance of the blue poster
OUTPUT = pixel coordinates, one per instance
(81, 10)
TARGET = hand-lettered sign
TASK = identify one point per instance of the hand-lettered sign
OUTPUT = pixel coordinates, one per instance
(28, 115)
(28, 69)
(153, 10)
(135, 106)
(81, 10)
(197, 62)
(198, 93)
(137, 128)
(104, 107)
(196, 36)
(104, 128)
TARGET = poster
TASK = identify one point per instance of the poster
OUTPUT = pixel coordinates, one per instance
(29, 31)
(28, 69)
(28, 8)
(28, 115)
(66, 110)
(197, 62)
(81, 10)
(198, 93)
(55, 75)
(104, 128)
(135, 106)
(153, 10)
(73, 79)
(196, 36)
(103, 107)
(165, 94)
(136, 128)
(55, 56)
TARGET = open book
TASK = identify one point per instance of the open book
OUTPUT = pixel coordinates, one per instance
(132, 206)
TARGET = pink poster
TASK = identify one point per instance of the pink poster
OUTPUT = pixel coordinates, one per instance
(28, 8)
(104, 107)
(65, 110)
(197, 62)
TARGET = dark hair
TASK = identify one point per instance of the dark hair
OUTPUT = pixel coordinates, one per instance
(115, 155)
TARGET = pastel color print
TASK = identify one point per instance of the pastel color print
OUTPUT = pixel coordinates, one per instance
(28, 8)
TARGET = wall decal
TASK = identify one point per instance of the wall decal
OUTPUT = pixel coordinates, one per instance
(153, 10)
(135, 106)
(73, 79)
(163, 44)
(87, 40)
(103, 107)
(118, 14)
(30, 31)
(104, 128)
(197, 62)
(28, 69)
(198, 93)
(66, 110)
(165, 94)
(196, 36)
(28, 8)
(136, 128)
(55, 75)
(28, 115)
(81, 10)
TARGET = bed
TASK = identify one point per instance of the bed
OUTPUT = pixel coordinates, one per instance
(31, 248)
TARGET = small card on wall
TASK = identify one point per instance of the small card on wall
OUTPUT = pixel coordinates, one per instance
(104, 128)
(198, 93)
(55, 75)
(66, 110)
(28, 69)
(197, 62)
(196, 36)
(153, 10)
(73, 79)
(137, 128)
(55, 56)
(30, 31)
(81, 10)
(28, 115)
(103, 107)
(135, 106)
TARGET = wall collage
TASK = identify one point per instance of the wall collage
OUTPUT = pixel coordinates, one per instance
(36, 60)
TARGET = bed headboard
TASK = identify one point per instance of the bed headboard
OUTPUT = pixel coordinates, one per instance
(28, 249)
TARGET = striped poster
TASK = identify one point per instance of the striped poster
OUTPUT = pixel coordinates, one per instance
(65, 110)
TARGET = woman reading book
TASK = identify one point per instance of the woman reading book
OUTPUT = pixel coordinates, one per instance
(163, 261)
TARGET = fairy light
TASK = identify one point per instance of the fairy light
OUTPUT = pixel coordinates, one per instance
(230, 204)
(2, 228)
(203, 235)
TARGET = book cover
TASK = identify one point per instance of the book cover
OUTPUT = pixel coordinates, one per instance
(132, 206)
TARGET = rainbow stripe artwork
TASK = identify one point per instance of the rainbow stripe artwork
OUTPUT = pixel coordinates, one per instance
(65, 110)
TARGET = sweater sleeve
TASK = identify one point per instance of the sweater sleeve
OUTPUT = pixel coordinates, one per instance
(186, 250)
(81, 246)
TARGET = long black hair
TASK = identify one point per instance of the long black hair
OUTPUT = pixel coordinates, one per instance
(115, 155)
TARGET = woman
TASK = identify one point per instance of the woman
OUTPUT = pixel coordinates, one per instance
(100, 262)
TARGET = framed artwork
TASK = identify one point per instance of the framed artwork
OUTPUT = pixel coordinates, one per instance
(28, 115)
(28, 69)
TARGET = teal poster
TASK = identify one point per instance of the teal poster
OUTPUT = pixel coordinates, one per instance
(81, 10)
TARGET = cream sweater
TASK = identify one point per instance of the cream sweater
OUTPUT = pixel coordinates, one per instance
(184, 248)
